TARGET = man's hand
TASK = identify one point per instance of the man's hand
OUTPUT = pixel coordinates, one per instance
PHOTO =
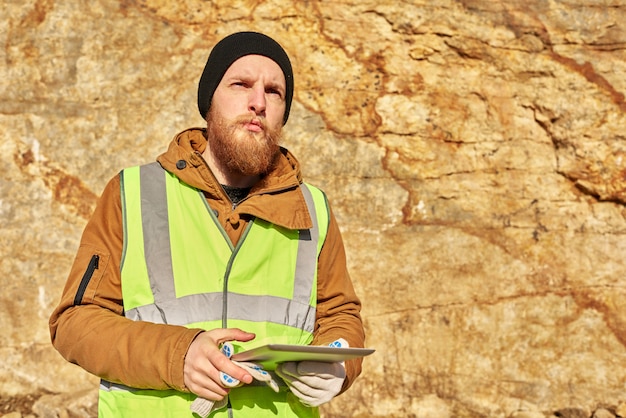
(204, 361)
(314, 383)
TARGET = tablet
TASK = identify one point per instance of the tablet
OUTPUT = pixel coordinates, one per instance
(280, 353)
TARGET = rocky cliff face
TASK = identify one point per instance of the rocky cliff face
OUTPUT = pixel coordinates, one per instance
(474, 152)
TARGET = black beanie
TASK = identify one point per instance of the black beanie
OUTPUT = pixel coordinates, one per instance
(229, 50)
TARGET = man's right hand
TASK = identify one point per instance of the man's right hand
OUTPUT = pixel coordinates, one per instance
(204, 361)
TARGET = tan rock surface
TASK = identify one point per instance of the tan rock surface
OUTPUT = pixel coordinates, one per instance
(474, 151)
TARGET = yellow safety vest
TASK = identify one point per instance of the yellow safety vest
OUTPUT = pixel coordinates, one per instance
(179, 267)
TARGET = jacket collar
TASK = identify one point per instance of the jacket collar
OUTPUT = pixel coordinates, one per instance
(276, 198)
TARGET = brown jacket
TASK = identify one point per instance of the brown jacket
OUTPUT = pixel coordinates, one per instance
(88, 327)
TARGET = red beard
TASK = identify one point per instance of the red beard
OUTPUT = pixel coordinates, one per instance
(239, 150)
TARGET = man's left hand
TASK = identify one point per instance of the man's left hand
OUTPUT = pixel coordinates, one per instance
(313, 382)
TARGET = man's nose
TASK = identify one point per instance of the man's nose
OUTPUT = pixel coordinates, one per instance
(256, 101)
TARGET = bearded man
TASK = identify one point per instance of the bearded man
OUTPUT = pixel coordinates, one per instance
(219, 241)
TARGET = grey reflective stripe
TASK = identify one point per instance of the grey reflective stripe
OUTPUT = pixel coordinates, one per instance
(156, 229)
(181, 311)
(110, 386)
(306, 262)
(296, 312)
(207, 307)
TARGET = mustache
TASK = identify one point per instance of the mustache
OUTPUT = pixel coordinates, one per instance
(245, 119)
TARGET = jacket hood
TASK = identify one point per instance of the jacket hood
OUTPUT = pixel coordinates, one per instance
(287, 206)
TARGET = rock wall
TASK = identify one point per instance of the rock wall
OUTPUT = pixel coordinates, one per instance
(474, 152)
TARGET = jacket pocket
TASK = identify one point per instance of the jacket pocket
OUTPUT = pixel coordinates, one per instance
(93, 266)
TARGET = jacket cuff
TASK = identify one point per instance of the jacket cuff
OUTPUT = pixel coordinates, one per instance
(177, 362)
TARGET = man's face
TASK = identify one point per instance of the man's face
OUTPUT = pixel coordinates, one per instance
(246, 115)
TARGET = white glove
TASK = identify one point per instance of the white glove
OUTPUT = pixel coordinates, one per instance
(314, 382)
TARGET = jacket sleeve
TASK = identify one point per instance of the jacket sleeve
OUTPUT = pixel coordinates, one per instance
(338, 307)
(88, 327)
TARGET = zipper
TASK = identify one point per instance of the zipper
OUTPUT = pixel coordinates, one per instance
(93, 265)
(227, 275)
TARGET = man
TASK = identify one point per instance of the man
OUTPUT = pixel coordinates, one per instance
(221, 241)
